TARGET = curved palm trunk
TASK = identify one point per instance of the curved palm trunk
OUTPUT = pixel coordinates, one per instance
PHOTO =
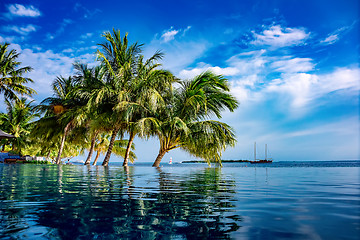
(96, 158)
(66, 131)
(111, 145)
(88, 159)
(126, 157)
(159, 157)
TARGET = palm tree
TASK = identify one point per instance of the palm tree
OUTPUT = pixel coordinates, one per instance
(113, 97)
(148, 87)
(133, 87)
(102, 143)
(63, 108)
(183, 121)
(46, 139)
(90, 80)
(18, 121)
(11, 76)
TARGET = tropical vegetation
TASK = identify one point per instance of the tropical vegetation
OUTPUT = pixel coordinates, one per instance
(12, 81)
(104, 108)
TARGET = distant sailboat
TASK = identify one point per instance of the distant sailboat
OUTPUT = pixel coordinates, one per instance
(266, 160)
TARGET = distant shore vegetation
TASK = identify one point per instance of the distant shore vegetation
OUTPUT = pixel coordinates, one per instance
(102, 109)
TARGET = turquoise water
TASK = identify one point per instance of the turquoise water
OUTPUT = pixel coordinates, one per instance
(181, 201)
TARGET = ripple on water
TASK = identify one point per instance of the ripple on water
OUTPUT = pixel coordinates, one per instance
(77, 202)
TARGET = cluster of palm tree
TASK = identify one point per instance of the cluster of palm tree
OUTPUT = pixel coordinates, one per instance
(20, 112)
(128, 95)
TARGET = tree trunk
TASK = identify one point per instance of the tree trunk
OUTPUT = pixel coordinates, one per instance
(66, 130)
(126, 158)
(96, 158)
(48, 156)
(111, 145)
(159, 157)
(88, 159)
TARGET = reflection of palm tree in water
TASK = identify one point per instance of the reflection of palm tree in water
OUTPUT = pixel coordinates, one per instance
(107, 202)
(198, 206)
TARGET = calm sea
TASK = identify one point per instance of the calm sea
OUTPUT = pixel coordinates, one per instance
(283, 200)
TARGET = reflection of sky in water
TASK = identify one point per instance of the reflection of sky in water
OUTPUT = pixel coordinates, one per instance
(76, 202)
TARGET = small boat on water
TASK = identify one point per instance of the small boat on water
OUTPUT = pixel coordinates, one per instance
(266, 160)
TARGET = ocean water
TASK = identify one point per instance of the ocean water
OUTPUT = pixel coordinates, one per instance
(284, 200)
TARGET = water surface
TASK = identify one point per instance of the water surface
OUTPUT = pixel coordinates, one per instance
(180, 201)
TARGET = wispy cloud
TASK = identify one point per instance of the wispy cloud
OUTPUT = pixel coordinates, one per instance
(179, 53)
(305, 88)
(7, 39)
(335, 36)
(202, 67)
(169, 35)
(47, 65)
(65, 22)
(277, 36)
(25, 30)
(292, 82)
(86, 12)
(18, 10)
(68, 50)
(186, 29)
(289, 64)
(71, 51)
(86, 35)
(342, 127)
(331, 39)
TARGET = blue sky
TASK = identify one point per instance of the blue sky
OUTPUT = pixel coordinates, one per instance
(293, 65)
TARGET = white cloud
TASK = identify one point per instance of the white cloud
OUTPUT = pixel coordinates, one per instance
(47, 65)
(249, 63)
(37, 48)
(243, 88)
(228, 71)
(79, 49)
(304, 88)
(341, 79)
(178, 54)
(297, 86)
(291, 82)
(186, 29)
(22, 30)
(245, 71)
(23, 11)
(169, 35)
(86, 35)
(330, 39)
(68, 50)
(7, 39)
(276, 36)
(292, 65)
(335, 36)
